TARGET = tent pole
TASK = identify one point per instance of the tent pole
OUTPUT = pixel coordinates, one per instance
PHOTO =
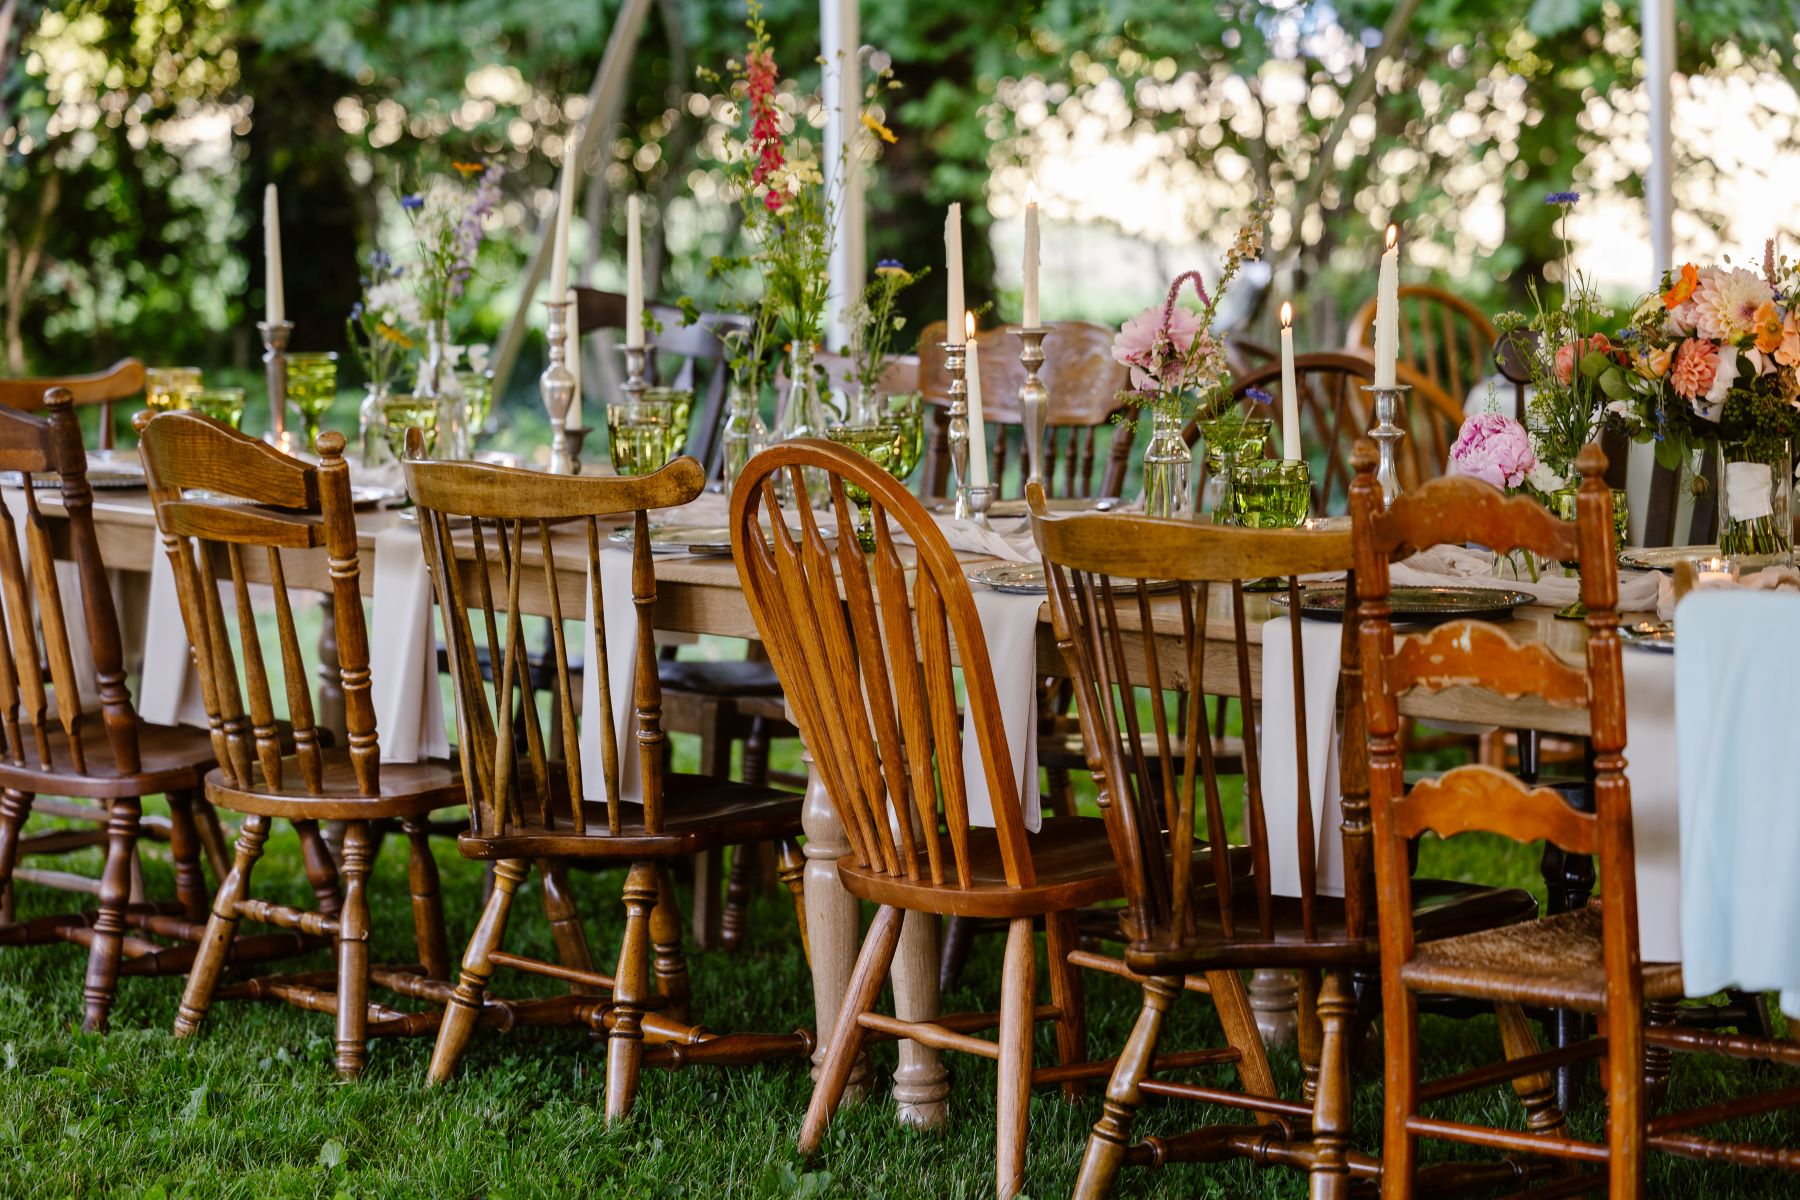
(840, 45)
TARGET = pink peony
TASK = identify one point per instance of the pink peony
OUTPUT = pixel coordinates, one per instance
(1494, 448)
(1568, 353)
(1135, 345)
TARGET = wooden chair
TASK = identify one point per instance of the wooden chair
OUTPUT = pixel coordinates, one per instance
(1335, 412)
(1084, 383)
(121, 381)
(535, 812)
(868, 672)
(58, 750)
(1586, 959)
(1445, 340)
(259, 504)
(1198, 903)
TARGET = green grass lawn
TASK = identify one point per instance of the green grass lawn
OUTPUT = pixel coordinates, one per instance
(251, 1107)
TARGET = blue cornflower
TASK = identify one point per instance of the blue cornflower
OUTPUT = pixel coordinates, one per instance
(1628, 335)
(1258, 395)
(412, 202)
(356, 311)
(1562, 198)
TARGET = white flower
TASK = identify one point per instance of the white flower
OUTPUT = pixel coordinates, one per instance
(394, 303)
(1545, 480)
(478, 357)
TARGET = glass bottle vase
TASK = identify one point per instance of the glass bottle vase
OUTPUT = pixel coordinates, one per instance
(802, 416)
(1755, 507)
(1168, 465)
(744, 435)
(437, 382)
(371, 427)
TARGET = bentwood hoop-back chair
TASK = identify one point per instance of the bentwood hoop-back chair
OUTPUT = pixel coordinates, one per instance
(868, 673)
(1586, 959)
(234, 510)
(1444, 339)
(121, 381)
(1198, 901)
(88, 760)
(1084, 381)
(488, 532)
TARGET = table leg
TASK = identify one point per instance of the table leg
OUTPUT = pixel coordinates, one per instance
(833, 923)
(921, 1081)
(1275, 999)
(331, 710)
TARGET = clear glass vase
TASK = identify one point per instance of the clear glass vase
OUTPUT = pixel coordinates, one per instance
(1756, 489)
(744, 435)
(1168, 467)
(371, 428)
(802, 415)
(437, 381)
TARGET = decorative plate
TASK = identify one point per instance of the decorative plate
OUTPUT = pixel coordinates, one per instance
(1650, 635)
(101, 476)
(1028, 579)
(1663, 558)
(712, 540)
(1419, 605)
(367, 495)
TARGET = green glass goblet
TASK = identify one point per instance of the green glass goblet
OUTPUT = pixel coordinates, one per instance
(642, 435)
(880, 445)
(312, 389)
(478, 399)
(405, 411)
(222, 404)
(906, 412)
(1271, 493)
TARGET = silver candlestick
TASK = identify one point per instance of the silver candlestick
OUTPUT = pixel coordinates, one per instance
(981, 497)
(275, 336)
(635, 383)
(955, 362)
(1034, 398)
(557, 387)
(1387, 436)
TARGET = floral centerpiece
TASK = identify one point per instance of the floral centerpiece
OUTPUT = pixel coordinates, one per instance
(381, 332)
(1178, 367)
(873, 323)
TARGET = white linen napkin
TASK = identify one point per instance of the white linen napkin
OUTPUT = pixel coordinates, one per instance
(169, 693)
(1738, 655)
(409, 708)
(1466, 567)
(1767, 579)
(1008, 539)
(1655, 814)
(1321, 648)
(621, 661)
(1009, 623)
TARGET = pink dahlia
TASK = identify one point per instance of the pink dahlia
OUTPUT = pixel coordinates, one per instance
(1494, 448)
(1696, 363)
(1726, 301)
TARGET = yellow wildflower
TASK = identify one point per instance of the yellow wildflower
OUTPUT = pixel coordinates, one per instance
(878, 129)
(467, 169)
(394, 335)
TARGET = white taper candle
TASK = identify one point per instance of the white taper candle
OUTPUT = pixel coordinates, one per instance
(274, 300)
(953, 276)
(634, 274)
(1030, 304)
(1387, 311)
(1290, 394)
(978, 460)
(572, 359)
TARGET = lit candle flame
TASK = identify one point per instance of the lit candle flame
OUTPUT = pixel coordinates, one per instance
(1393, 235)
(1031, 192)
(1287, 315)
(969, 324)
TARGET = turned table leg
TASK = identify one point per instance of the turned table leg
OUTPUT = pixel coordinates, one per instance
(1275, 999)
(833, 923)
(921, 1081)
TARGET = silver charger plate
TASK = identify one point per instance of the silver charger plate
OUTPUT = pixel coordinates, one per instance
(1650, 635)
(1417, 605)
(713, 540)
(367, 495)
(102, 476)
(1028, 579)
(1663, 558)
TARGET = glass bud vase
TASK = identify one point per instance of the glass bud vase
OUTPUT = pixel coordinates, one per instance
(744, 435)
(1168, 464)
(802, 416)
(437, 382)
(1231, 442)
(371, 427)
(1756, 488)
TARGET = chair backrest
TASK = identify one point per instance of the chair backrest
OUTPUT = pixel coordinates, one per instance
(867, 670)
(1084, 382)
(686, 356)
(1443, 338)
(1154, 782)
(899, 375)
(221, 497)
(1335, 411)
(491, 531)
(120, 381)
(1476, 654)
(34, 604)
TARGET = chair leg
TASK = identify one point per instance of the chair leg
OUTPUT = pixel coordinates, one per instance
(959, 936)
(212, 837)
(708, 884)
(427, 900)
(353, 953)
(571, 940)
(1068, 995)
(668, 964)
(631, 990)
(185, 849)
(1231, 1000)
(1399, 1148)
(871, 971)
(1627, 1110)
(1111, 1135)
(1309, 1033)
(755, 765)
(464, 1008)
(1330, 1170)
(737, 897)
(790, 867)
(109, 925)
(1018, 1002)
(1536, 1092)
(15, 809)
(221, 928)
(321, 867)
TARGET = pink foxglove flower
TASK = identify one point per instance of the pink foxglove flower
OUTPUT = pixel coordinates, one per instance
(1494, 448)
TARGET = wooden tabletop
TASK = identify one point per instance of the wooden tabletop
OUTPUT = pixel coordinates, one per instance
(701, 595)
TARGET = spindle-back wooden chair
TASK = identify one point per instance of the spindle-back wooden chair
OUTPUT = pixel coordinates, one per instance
(1198, 899)
(1084, 382)
(488, 532)
(1335, 411)
(868, 672)
(89, 761)
(234, 509)
(121, 381)
(1444, 339)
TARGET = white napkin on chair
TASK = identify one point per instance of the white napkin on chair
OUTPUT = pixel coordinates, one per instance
(1009, 623)
(68, 587)
(170, 691)
(403, 667)
(1320, 648)
(621, 661)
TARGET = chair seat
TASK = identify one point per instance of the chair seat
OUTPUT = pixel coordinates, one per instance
(730, 678)
(699, 813)
(407, 790)
(1556, 962)
(1074, 864)
(1441, 908)
(170, 759)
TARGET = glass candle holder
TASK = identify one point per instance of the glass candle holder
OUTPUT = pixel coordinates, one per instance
(642, 434)
(1271, 494)
(1717, 571)
(171, 389)
(312, 389)
(222, 404)
(407, 411)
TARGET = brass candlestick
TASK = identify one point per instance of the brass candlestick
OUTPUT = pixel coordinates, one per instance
(557, 387)
(1387, 436)
(275, 343)
(1034, 398)
(955, 362)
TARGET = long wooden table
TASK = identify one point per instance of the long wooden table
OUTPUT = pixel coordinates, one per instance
(702, 595)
